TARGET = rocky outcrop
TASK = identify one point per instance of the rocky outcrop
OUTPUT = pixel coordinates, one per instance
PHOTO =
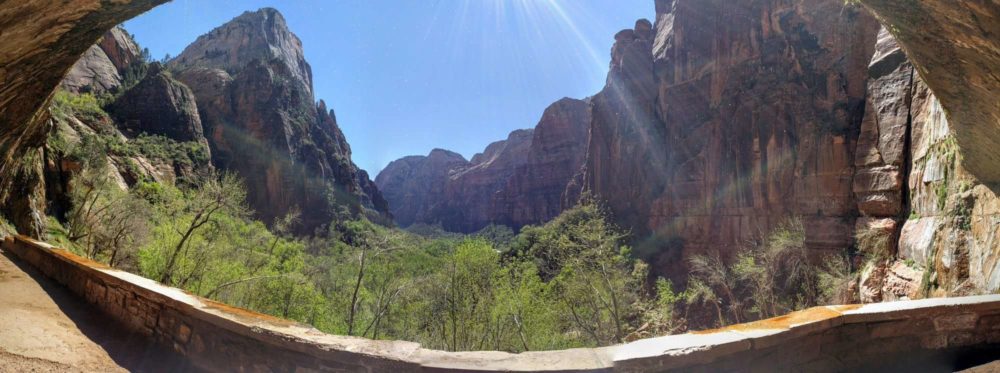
(101, 67)
(253, 36)
(954, 46)
(159, 105)
(94, 73)
(254, 93)
(536, 191)
(415, 186)
(882, 153)
(42, 41)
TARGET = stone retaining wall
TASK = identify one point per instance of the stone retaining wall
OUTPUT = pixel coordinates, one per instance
(944, 333)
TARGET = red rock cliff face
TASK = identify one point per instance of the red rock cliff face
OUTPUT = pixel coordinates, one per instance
(535, 192)
(912, 182)
(515, 182)
(470, 192)
(415, 186)
(728, 117)
(254, 92)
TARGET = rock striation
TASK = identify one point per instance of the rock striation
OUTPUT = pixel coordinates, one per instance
(101, 68)
(726, 118)
(943, 220)
(953, 44)
(254, 93)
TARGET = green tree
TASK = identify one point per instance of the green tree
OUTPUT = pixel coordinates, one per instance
(200, 209)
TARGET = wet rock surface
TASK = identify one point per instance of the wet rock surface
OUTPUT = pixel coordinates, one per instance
(954, 46)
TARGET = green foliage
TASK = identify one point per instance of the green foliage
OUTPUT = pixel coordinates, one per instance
(941, 191)
(6, 229)
(500, 236)
(768, 278)
(875, 244)
(569, 283)
(85, 106)
(163, 148)
(837, 280)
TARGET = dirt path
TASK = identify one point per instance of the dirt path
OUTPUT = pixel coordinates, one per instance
(44, 328)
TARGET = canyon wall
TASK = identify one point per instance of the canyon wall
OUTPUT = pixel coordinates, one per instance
(941, 221)
(415, 185)
(516, 182)
(724, 119)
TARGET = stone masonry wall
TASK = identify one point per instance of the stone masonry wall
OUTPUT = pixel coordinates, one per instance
(947, 333)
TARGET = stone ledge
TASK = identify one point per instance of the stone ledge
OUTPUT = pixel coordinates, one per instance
(218, 337)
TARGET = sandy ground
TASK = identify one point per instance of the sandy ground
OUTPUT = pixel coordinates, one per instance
(44, 328)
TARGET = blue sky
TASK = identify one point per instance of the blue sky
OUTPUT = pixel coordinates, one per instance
(407, 76)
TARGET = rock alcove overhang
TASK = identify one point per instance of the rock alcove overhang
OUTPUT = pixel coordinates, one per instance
(955, 46)
(40, 40)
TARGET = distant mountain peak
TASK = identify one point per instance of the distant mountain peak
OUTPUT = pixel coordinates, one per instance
(254, 35)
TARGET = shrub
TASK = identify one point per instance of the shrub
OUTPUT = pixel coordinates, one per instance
(86, 106)
(767, 278)
(6, 229)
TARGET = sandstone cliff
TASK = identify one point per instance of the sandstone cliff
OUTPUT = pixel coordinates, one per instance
(254, 93)
(514, 182)
(415, 186)
(909, 161)
(725, 118)
(159, 105)
(535, 192)
(101, 68)
(470, 192)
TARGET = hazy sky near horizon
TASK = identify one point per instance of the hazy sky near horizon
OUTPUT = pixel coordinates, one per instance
(407, 76)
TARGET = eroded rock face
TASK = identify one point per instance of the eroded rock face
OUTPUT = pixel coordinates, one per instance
(262, 35)
(415, 186)
(953, 231)
(515, 182)
(42, 40)
(101, 67)
(909, 163)
(729, 118)
(882, 152)
(535, 192)
(254, 93)
(470, 193)
(954, 46)
(626, 156)
(159, 105)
